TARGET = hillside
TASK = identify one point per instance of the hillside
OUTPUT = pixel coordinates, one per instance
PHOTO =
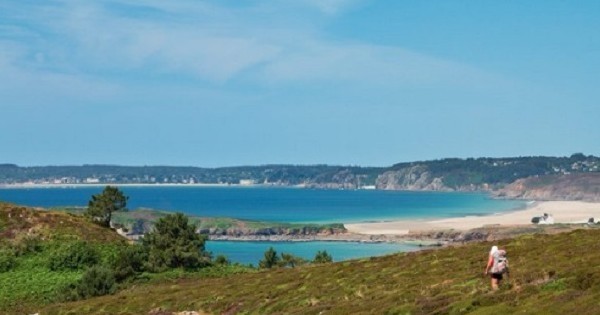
(18, 222)
(481, 174)
(555, 187)
(35, 247)
(550, 274)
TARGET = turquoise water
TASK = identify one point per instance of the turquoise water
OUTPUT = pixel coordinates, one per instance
(253, 252)
(282, 205)
(278, 204)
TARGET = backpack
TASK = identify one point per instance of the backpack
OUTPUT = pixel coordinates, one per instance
(500, 262)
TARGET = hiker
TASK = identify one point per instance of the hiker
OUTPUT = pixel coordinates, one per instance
(497, 265)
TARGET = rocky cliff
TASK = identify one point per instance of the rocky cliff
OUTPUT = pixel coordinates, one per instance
(420, 178)
(581, 186)
(415, 177)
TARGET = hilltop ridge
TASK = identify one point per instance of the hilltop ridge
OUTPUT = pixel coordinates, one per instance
(451, 174)
(18, 222)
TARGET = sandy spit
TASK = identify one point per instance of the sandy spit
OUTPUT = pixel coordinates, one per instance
(562, 211)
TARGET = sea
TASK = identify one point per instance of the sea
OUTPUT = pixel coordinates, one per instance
(278, 204)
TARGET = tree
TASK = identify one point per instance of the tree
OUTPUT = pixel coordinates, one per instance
(289, 260)
(271, 259)
(322, 257)
(174, 243)
(101, 206)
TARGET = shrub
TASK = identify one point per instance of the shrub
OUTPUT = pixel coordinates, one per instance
(96, 281)
(128, 262)
(29, 244)
(75, 255)
(7, 260)
(289, 260)
(222, 260)
(322, 257)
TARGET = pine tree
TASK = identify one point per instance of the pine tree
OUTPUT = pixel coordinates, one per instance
(174, 243)
(271, 259)
(101, 206)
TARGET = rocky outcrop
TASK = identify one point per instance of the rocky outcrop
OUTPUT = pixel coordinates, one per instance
(270, 231)
(585, 187)
(343, 179)
(410, 178)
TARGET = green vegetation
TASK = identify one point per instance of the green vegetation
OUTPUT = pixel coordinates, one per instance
(550, 274)
(60, 263)
(289, 260)
(101, 206)
(174, 243)
(48, 257)
(322, 257)
(75, 255)
(456, 173)
(271, 260)
(142, 220)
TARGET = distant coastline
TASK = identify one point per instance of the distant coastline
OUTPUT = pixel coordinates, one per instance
(37, 185)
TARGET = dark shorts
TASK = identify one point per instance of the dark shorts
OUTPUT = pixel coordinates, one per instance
(497, 276)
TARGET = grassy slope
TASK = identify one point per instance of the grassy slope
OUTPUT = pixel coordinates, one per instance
(17, 222)
(551, 274)
(31, 282)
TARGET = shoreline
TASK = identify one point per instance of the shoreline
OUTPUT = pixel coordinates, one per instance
(338, 238)
(571, 212)
(96, 185)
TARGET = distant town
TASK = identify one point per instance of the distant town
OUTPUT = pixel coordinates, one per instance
(453, 173)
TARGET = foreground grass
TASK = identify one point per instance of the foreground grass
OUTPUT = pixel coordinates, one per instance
(551, 274)
(35, 269)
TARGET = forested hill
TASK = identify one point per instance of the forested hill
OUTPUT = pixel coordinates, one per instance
(445, 174)
(482, 173)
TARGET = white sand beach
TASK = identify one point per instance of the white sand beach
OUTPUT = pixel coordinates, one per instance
(562, 212)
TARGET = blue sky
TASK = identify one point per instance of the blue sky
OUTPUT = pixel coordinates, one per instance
(352, 82)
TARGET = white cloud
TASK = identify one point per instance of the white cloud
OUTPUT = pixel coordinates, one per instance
(319, 61)
(215, 44)
(29, 85)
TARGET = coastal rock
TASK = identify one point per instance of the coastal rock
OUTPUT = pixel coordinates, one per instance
(237, 232)
(410, 178)
(585, 187)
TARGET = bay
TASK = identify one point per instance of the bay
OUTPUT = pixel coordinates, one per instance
(281, 205)
(278, 204)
